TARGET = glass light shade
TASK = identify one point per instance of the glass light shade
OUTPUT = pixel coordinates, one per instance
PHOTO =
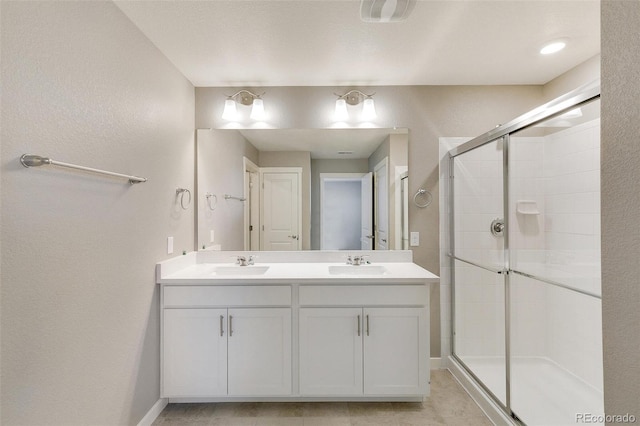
(341, 113)
(229, 112)
(257, 110)
(369, 110)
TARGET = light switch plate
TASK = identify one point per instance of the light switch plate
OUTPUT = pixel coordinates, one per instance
(169, 245)
(414, 240)
(211, 236)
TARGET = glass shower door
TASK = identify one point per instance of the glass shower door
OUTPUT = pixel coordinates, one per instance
(554, 241)
(478, 264)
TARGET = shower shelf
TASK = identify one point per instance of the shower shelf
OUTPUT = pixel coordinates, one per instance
(527, 207)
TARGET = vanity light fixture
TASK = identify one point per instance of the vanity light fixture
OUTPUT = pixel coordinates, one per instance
(244, 97)
(355, 97)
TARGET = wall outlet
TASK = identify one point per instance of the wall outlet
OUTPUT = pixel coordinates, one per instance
(211, 236)
(169, 245)
(414, 240)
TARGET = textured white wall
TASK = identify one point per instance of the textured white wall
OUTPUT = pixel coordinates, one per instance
(620, 162)
(80, 320)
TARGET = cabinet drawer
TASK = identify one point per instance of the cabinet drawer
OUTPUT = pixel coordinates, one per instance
(369, 295)
(194, 296)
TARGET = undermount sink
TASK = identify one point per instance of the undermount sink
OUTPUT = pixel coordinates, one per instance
(240, 270)
(357, 270)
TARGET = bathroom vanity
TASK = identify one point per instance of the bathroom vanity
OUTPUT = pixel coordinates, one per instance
(294, 326)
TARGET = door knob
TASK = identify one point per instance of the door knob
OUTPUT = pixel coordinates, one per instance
(295, 237)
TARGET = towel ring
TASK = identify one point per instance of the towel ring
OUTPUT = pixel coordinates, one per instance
(209, 196)
(180, 192)
(422, 192)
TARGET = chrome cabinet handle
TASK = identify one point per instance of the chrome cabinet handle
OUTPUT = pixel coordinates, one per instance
(367, 324)
(358, 325)
(221, 325)
(230, 326)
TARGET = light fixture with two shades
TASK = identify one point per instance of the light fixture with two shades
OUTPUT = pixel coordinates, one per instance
(244, 97)
(355, 97)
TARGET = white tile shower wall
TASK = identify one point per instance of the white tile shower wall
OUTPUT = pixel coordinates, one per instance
(572, 196)
(572, 247)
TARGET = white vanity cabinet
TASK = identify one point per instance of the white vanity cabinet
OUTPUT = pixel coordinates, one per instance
(295, 331)
(379, 348)
(194, 353)
(210, 351)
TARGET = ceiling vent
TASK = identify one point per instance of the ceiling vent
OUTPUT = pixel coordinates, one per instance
(385, 10)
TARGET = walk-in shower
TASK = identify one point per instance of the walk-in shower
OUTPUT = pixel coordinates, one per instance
(524, 261)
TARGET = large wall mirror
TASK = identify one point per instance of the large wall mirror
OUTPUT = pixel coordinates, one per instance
(302, 189)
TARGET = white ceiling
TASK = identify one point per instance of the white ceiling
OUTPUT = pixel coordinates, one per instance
(321, 143)
(324, 43)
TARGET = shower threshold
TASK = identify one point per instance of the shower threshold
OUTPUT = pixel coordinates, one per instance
(542, 391)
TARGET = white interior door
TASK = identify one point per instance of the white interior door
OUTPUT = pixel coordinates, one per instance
(281, 210)
(330, 351)
(381, 209)
(366, 198)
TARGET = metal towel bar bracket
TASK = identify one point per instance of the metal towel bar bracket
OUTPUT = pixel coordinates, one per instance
(29, 160)
(231, 197)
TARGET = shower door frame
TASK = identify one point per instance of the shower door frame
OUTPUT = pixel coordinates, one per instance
(574, 99)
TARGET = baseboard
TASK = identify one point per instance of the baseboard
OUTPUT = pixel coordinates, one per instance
(154, 412)
(436, 363)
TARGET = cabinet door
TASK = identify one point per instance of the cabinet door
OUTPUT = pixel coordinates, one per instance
(194, 353)
(259, 351)
(395, 351)
(330, 351)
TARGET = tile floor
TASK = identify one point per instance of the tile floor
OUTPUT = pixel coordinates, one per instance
(449, 404)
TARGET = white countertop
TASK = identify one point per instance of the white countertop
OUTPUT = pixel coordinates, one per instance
(192, 269)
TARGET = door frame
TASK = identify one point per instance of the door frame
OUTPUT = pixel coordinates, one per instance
(249, 166)
(383, 163)
(298, 171)
(336, 177)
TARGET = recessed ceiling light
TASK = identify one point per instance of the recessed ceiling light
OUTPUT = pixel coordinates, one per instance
(553, 47)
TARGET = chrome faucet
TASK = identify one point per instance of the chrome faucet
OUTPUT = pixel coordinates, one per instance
(357, 260)
(244, 261)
